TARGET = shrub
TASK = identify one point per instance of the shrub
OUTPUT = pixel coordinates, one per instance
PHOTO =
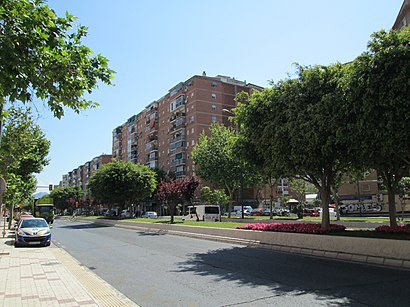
(394, 229)
(315, 228)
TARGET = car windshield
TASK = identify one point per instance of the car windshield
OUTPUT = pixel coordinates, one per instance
(30, 223)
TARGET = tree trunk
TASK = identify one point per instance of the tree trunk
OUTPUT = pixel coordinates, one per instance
(171, 211)
(231, 192)
(325, 195)
(271, 207)
(392, 206)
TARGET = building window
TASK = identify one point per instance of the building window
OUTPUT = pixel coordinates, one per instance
(213, 107)
(214, 84)
(192, 118)
(213, 119)
(213, 95)
(193, 142)
(192, 130)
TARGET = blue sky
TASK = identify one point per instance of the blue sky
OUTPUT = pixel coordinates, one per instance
(153, 45)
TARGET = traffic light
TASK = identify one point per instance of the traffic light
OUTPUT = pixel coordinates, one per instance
(50, 187)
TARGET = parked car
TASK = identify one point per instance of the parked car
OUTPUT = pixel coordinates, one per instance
(282, 212)
(150, 215)
(33, 231)
(126, 213)
(256, 212)
(236, 213)
(310, 212)
(266, 212)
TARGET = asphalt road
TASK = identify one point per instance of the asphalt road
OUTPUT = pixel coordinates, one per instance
(165, 270)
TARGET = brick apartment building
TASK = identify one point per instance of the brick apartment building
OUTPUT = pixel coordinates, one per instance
(403, 18)
(81, 175)
(165, 132)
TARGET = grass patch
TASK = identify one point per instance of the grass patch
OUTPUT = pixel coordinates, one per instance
(361, 233)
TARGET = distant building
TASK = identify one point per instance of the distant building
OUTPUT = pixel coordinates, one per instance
(403, 18)
(81, 175)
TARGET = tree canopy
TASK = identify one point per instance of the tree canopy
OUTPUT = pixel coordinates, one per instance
(42, 56)
(218, 161)
(24, 152)
(120, 183)
(377, 85)
(174, 191)
(63, 195)
(296, 129)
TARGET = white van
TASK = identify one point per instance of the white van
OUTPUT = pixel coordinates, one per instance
(246, 209)
(208, 213)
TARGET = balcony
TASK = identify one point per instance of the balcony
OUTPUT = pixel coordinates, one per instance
(180, 173)
(177, 104)
(176, 150)
(177, 139)
(179, 144)
(149, 130)
(152, 138)
(178, 124)
(151, 147)
(177, 116)
(177, 162)
(152, 164)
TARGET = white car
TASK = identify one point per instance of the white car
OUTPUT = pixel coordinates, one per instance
(126, 213)
(32, 231)
(150, 215)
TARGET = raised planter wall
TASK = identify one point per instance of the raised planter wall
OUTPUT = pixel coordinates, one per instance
(375, 251)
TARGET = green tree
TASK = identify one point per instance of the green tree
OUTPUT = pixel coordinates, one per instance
(265, 167)
(378, 87)
(120, 183)
(218, 162)
(63, 197)
(42, 56)
(214, 197)
(24, 152)
(297, 129)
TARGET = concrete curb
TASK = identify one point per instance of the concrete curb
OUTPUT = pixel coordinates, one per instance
(382, 252)
(99, 289)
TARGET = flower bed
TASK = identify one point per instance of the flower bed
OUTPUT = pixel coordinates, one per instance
(396, 229)
(292, 227)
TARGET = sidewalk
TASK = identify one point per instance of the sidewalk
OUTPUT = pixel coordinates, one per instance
(49, 276)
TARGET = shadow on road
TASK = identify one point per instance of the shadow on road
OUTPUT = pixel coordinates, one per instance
(341, 283)
(84, 226)
(150, 234)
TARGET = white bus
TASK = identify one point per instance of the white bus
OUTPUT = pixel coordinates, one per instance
(208, 213)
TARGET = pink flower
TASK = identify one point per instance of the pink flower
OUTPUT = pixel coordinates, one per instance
(292, 227)
(394, 229)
